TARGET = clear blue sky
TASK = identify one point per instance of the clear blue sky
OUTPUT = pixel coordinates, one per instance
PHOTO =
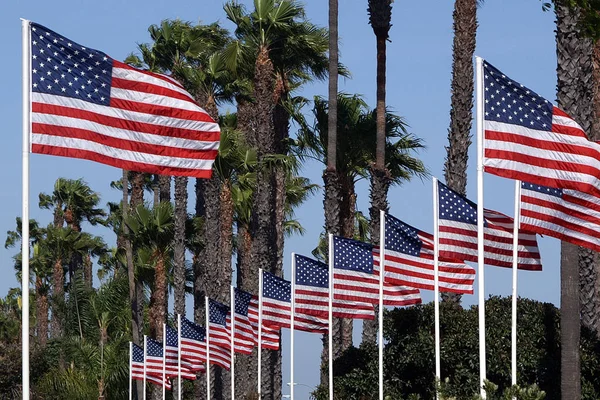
(514, 35)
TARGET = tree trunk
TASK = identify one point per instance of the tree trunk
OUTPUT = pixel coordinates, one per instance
(137, 189)
(181, 197)
(158, 298)
(226, 238)
(41, 308)
(58, 298)
(594, 134)
(88, 275)
(164, 188)
(156, 189)
(461, 115)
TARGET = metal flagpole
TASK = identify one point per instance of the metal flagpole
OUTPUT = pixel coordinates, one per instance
(232, 370)
(381, 278)
(515, 266)
(260, 311)
(179, 354)
(130, 370)
(292, 321)
(436, 284)
(164, 375)
(145, 358)
(480, 226)
(330, 344)
(26, 87)
(207, 321)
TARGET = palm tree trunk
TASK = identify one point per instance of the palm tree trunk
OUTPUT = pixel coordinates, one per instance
(88, 277)
(41, 307)
(181, 196)
(226, 230)
(137, 189)
(158, 298)
(164, 188)
(58, 298)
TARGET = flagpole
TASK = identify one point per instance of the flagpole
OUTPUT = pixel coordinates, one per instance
(515, 266)
(145, 360)
(130, 370)
(330, 341)
(164, 386)
(436, 284)
(26, 87)
(480, 226)
(381, 278)
(260, 311)
(232, 312)
(292, 322)
(207, 321)
(179, 354)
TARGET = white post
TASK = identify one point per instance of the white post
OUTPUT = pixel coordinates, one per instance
(436, 284)
(515, 266)
(232, 312)
(26, 87)
(292, 322)
(480, 234)
(381, 279)
(164, 375)
(207, 322)
(331, 294)
(145, 361)
(179, 355)
(260, 311)
(130, 371)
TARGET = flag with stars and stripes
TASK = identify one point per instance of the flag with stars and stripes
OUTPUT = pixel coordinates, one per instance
(409, 261)
(84, 104)
(355, 277)
(565, 214)
(193, 346)
(137, 368)
(529, 139)
(458, 234)
(188, 370)
(218, 329)
(312, 293)
(244, 334)
(277, 307)
(154, 357)
(270, 334)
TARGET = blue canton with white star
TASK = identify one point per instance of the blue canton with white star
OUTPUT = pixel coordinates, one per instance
(172, 340)
(217, 312)
(242, 302)
(191, 330)
(352, 255)
(62, 67)
(510, 102)
(401, 237)
(311, 272)
(276, 288)
(542, 189)
(454, 207)
(155, 348)
(137, 354)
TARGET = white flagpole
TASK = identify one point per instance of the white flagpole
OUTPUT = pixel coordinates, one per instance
(515, 266)
(26, 87)
(260, 311)
(480, 226)
(207, 321)
(232, 311)
(130, 370)
(179, 355)
(381, 278)
(145, 360)
(292, 322)
(436, 284)
(331, 294)
(164, 375)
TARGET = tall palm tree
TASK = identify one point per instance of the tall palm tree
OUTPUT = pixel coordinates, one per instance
(461, 115)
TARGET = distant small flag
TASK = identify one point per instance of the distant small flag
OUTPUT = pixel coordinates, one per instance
(188, 369)
(355, 277)
(193, 346)
(529, 139)
(87, 105)
(565, 214)
(137, 368)
(458, 234)
(409, 261)
(312, 293)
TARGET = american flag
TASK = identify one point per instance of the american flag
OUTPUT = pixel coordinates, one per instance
(355, 277)
(137, 368)
(270, 334)
(409, 261)
(154, 357)
(277, 307)
(87, 105)
(565, 214)
(458, 234)
(188, 369)
(193, 346)
(218, 330)
(245, 335)
(312, 293)
(529, 139)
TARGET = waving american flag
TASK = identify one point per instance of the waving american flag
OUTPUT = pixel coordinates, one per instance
(137, 368)
(193, 346)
